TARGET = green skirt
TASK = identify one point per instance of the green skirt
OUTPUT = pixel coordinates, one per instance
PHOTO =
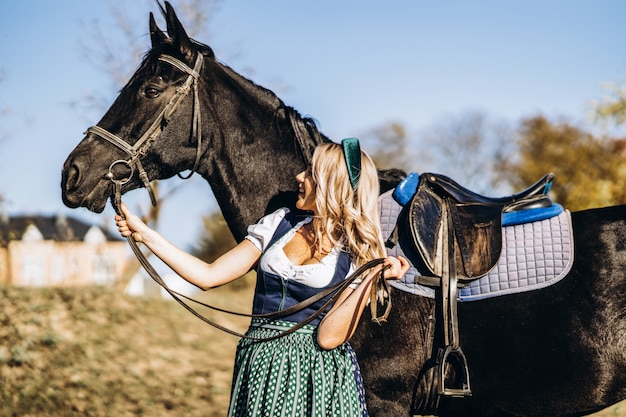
(293, 376)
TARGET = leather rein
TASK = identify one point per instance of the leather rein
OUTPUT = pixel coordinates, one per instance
(141, 147)
(334, 292)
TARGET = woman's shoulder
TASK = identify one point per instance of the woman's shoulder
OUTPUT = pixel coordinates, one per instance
(262, 231)
(278, 214)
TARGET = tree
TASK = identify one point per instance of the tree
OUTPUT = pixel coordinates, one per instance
(466, 148)
(388, 146)
(4, 130)
(116, 52)
(216, 238)
(612, 109)
(589, 172)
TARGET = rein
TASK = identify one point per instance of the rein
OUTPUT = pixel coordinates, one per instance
(141, 147)
(149, 137)
(334, 291)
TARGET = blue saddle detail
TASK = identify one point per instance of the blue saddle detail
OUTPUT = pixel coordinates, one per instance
(406, 189)
(408, 186)
(531, 215)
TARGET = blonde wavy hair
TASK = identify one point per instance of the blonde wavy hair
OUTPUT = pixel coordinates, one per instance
(349, 218)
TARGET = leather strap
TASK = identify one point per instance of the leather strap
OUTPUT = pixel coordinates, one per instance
(145, 141)
(334, 291)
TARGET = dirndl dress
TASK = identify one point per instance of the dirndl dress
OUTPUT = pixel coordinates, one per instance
(292, 375)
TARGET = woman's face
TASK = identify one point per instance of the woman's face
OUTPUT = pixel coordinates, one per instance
(306, 191)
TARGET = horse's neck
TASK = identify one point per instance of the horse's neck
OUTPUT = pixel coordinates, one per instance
(254, 157)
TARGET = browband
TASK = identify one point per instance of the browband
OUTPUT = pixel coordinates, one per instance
(352, 156)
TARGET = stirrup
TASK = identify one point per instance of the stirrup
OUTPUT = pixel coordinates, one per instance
(444, 357)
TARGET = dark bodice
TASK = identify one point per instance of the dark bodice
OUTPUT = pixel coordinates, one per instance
(274, 293)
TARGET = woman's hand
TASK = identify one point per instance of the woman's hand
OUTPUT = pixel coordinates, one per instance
(398, 267)
(340, 322)
(131, 225)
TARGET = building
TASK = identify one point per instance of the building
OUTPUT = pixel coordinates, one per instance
(58, 250)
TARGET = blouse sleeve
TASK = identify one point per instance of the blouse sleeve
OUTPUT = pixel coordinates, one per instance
(357, 281)
(261, 232)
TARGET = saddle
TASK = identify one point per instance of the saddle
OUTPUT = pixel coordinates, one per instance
(455, 235)
(473, 222)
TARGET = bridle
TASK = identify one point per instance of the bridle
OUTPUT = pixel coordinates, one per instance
(141, 147)
(150, 136)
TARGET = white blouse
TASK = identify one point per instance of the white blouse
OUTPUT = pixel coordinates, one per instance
(274, 260)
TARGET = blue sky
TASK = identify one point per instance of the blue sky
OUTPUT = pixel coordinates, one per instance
(352, 65)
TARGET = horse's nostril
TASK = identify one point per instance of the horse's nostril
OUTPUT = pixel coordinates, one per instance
(72, 177)
(70, 183)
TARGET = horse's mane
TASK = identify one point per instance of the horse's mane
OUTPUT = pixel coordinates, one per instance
(307, 135)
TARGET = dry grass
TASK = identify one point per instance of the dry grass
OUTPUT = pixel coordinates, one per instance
(92, 352)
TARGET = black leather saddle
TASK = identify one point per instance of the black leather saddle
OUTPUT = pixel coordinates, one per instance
(474, 222)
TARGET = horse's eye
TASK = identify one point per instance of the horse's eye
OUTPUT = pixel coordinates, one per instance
(151, 92)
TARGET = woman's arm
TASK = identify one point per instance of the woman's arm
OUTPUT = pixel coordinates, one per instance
(228, 267)
(341, 321)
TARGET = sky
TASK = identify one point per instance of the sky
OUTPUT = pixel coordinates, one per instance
(352, 65)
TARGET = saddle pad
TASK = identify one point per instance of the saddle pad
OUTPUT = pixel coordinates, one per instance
(534, 255)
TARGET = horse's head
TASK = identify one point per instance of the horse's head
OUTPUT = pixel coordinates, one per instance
(152, 130)
(183, 110)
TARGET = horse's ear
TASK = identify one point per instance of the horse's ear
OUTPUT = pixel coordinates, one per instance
(177, 33)
(163, 12)
(156, 35)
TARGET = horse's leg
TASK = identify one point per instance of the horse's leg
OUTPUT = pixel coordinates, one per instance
(392, 354)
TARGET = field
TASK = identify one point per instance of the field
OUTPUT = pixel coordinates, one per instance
(92, 352)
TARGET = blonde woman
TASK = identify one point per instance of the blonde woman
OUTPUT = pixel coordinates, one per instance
(297, 254)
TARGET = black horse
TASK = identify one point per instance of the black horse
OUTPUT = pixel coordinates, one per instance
(560, 351)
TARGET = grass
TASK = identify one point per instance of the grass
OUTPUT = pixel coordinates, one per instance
(88, 351)
(92, 352)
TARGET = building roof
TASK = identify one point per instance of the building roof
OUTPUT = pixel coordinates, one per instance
(58, 228)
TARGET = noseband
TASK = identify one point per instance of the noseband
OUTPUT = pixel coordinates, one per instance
(145, 141)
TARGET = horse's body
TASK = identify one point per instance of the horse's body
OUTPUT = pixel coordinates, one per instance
(555, 352)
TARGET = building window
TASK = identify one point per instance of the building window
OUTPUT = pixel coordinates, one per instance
(33, 270)
(58, 271)
(103, 269)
